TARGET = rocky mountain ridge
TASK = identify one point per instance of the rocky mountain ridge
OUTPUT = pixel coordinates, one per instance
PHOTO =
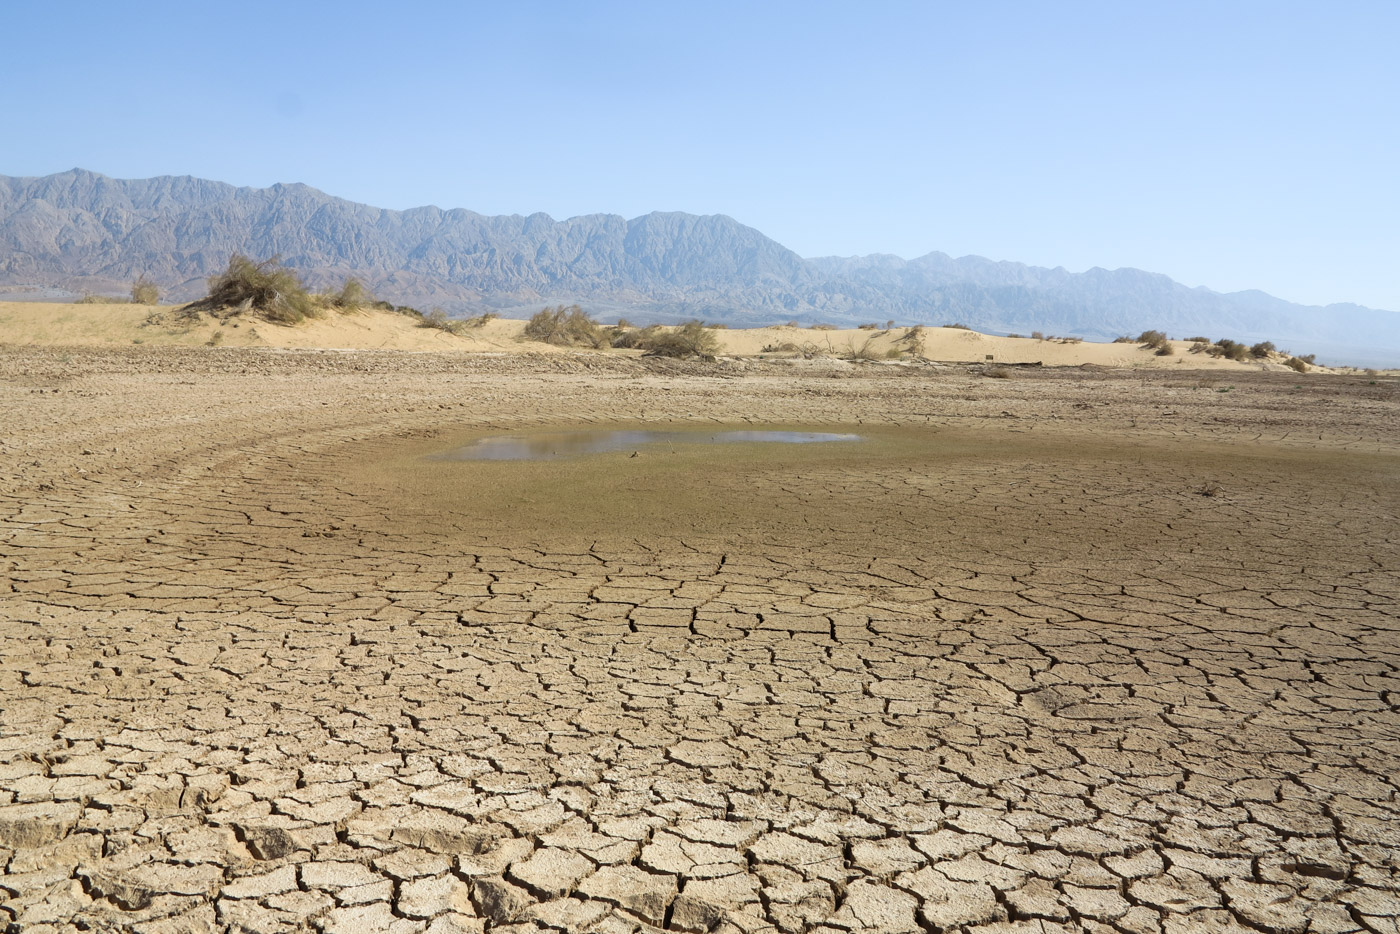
(81, 231)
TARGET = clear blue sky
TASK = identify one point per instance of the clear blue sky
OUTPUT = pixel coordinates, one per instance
(1227, 144)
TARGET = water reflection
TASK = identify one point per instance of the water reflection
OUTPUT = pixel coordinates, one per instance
(558, 445)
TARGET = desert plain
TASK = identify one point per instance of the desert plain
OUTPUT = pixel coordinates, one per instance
(1078, 647)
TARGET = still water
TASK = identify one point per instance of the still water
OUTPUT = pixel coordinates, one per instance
(574, 443)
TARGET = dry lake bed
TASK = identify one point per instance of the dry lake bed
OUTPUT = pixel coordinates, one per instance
(1074, 650)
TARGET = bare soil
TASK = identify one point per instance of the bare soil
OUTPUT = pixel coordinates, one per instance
(1077, 649)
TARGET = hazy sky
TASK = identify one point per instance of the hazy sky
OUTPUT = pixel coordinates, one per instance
(1227, 144)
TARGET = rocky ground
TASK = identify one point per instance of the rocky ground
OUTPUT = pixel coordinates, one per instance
(1113, 652)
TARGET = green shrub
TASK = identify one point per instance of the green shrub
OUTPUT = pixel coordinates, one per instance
(144, 292)
(565, 327)
(267, 289)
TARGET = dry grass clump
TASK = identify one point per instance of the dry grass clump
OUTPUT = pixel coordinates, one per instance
(90, 299)
(565, 327)
(144, 292)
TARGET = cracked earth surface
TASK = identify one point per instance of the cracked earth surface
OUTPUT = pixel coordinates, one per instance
(1069, 651)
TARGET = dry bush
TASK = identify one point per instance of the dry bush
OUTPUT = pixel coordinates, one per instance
(869, 327)
(351, 295)
(996, 372)
(1262, 349)
(565, 327)
(822, 326)
(267, 289)
(691, 339)
(1230, 350)
(1038, 335)
(784, 347)
(1297, 363)
(716, 325)
(144, 292)
(90, 299)
(1198, 340)
(1156, 341)
(913, 341)
(960, 327)
(866, 352)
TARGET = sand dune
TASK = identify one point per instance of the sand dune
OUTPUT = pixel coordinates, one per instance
(47, 323)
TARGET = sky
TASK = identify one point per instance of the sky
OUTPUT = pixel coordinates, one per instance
(1227, 144)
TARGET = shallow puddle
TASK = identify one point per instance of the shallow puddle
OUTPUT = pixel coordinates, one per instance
(557, 445)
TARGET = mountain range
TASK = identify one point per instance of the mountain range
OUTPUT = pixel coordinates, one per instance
(79, 231)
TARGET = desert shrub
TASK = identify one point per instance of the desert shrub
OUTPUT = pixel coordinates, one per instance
(996, 372)
(1123, 339)
(869, 327)
(267, 289)
(866, 352)
(565, 327)
(438, 320)
(1018, 336)
(90, 299)
(784, 347)
(913, 341)
(144, 292)
(1156, 341)
(960, 327)
(1297, 363)
(1262, 349)
(623, 323)
(1230, 350)
(1198, 340)
(632, 338)
(691, 339)
(1309, 358)
(352, 294)
(822, 326)
(481, 320)
(716, 325)
(1038, 335)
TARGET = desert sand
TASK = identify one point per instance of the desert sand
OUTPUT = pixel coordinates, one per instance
(1078, 649)
(120, 325)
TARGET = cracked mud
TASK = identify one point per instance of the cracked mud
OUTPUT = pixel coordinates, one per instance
(1069, 651)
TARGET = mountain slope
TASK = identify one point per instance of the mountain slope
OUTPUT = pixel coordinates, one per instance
(83, 231)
